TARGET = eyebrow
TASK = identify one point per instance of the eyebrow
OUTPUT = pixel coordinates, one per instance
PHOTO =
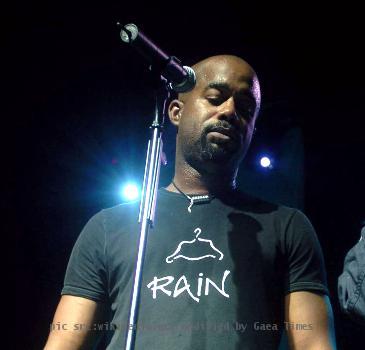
(218, 86)
(224, 87)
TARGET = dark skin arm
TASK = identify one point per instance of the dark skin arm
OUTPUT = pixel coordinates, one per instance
(312, 313)
(73, 317)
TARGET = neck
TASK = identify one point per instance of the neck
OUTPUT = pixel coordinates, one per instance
(190, 180)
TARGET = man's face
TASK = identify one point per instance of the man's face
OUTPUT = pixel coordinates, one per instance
(217, 118)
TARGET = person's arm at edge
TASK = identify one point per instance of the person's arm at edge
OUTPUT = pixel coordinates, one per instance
(309, 321)
(71, 323)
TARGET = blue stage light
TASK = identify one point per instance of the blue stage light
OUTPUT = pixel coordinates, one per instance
(130, 192)
(265, 162)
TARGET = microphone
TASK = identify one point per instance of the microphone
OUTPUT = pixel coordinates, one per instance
(181, 78)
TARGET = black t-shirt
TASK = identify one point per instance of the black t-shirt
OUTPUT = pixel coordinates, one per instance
(214, 278)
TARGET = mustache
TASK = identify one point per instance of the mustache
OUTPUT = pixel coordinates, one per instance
(223, 126)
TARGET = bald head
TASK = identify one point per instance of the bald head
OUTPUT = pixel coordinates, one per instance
(214, 62)
(223, 68)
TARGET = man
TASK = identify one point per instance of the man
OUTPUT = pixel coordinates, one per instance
(351, 283)
(223, 270)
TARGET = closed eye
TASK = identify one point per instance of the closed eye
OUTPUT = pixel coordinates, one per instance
(215, 101)
(245, 108)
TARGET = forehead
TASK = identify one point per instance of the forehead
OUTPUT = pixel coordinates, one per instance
(233, 72)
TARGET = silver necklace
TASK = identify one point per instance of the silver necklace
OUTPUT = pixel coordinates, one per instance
(198, 199)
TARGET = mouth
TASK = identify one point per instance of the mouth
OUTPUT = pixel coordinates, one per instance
(222, 133)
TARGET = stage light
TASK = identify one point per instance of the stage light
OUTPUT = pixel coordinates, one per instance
(130, 192)
(265, 162)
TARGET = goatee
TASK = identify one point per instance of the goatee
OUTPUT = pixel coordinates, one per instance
(220, 152)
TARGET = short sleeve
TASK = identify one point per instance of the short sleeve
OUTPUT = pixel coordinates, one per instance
(86, 274)
(306, 269)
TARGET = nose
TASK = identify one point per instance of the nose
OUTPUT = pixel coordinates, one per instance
(228, 111)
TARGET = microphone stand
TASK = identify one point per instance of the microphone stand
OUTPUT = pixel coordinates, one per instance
(148, 201)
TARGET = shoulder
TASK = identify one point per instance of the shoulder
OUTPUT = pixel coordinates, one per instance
(109, 219)
(264, 210)
(120, 215)
(121, 210)
(286, 223)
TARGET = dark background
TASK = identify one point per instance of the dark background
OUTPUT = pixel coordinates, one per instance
(82, 108)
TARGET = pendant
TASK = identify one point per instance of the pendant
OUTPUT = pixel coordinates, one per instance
(198, 200)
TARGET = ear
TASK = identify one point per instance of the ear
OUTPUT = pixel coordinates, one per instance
(175, 109)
